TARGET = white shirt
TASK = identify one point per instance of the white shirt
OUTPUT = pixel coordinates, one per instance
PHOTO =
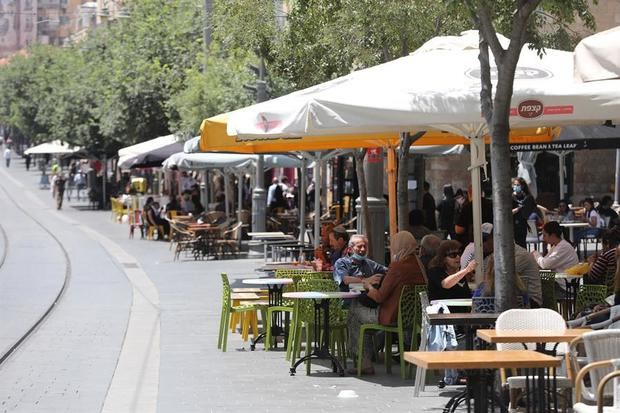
(7, 154)
(560, 257)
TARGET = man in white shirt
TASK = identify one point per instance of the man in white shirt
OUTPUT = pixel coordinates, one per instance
(272, 190)
(561, 255)
(7, 157)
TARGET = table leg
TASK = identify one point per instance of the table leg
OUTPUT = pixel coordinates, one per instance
(275, 299)
(321, 344)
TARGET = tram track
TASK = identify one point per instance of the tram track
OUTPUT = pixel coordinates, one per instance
(57, 299)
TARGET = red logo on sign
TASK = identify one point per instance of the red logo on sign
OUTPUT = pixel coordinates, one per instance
(266, 125)
(530, 109)
(374, 155)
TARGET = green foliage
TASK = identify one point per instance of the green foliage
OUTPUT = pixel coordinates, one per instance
(216, 90)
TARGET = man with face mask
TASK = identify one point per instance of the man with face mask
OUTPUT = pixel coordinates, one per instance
(354, 268)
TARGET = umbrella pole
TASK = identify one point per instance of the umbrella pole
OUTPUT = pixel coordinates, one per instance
(302, 201)
(227, 193)
(317, 200)
(391, 168)
(617, 183)
(239, 195)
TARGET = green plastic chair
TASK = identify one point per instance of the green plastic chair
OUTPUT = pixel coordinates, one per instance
(409, 317)
(547, 280)
(589, 294)
(287, 304)
(304, 318)
(228, 309)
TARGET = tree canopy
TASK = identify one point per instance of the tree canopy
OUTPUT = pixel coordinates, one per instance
(150, 74)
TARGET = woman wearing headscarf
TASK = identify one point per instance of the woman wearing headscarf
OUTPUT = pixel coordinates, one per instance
(404, 269)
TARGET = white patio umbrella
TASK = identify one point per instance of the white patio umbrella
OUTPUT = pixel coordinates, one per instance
(437, 87)
(154, 150)
(55, 147)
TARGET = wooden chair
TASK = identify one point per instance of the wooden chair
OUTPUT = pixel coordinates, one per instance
(229, 243)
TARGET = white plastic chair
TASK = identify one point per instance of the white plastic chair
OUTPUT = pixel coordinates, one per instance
(599, 346)
(531, 319)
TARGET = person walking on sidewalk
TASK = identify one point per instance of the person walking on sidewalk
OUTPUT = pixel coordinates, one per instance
(59, 184)
(7, 157)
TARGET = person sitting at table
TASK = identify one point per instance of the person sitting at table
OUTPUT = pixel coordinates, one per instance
(605, 262)
(561, 255)
(195, 196)
(564, 212)
(606, 212)
(446, 279)
(338, 239)
(595, 223)
(428, 248)
(153, 218)
(356, 266)
(173, 204)
(385, 291)
(187, 205)
(526, 268)
(487, 287)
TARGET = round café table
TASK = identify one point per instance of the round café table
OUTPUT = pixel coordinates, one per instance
(454, 302)
(572, 283)
(275, 286)
(321, 316)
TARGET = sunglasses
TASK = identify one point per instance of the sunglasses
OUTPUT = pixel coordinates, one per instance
(453, 254)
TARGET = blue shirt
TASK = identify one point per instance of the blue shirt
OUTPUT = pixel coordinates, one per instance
(349, 266)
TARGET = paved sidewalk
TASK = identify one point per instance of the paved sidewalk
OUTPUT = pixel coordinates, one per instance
(193, 376)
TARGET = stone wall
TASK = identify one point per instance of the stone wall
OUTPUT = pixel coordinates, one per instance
(594, 174)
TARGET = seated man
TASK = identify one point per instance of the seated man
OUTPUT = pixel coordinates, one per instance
(561, 255)
(338, 248)
(355, 267)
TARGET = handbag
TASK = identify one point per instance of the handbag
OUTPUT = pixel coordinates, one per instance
(366, 301)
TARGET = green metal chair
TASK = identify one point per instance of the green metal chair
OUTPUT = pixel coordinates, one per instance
(409, 317)
(547, 280)
(228, 309)
(304, 318)
(589, 294)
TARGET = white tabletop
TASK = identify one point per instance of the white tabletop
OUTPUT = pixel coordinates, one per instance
(454, 302)
(356, 287)
(564, 276)
(574, 224)
(268, 281)
(321, 295)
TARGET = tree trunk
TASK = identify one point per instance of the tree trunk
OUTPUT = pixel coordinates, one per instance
(497, 118)
(403, 182)
(361, 182)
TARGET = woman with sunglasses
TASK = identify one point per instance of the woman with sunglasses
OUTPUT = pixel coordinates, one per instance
(446, 279)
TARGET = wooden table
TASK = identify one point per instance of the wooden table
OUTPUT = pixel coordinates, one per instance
(538, 336)
(480, 381)
(275, 286)
(321, 317)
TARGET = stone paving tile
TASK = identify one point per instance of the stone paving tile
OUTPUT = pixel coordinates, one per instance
(194, 375)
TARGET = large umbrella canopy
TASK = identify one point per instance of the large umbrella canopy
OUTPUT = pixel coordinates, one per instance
(597, 57)
(437, 87)
(153, 151)
(55, 147)
(199, 161)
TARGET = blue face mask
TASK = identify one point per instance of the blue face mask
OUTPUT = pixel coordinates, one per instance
(516, 189)
(358, 257)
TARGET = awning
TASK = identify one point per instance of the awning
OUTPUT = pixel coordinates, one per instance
(200, 161)
(55, 147)
(151, 152)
